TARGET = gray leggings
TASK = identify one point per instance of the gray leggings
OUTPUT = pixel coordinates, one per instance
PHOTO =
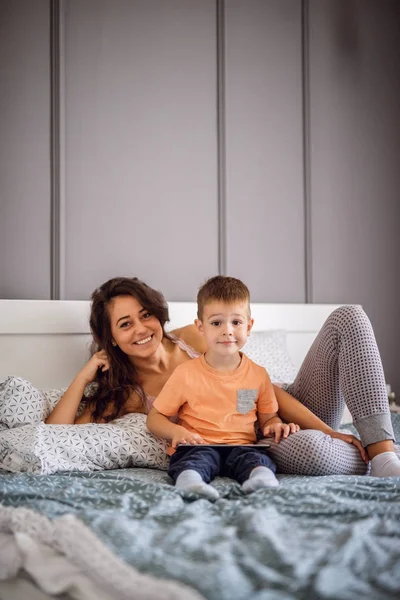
(343, 366)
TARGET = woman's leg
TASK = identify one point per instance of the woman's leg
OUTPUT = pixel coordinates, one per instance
(310, 452)
(342, 365)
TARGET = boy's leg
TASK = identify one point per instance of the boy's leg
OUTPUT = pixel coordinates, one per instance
(193, 467)
(252, 468)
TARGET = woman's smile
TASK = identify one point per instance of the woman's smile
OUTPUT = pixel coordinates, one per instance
(144, 341)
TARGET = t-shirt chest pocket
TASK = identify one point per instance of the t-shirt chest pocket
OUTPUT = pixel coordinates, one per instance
(245, 400)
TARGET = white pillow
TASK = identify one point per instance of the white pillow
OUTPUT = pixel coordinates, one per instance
(269, 349)
(45, 449)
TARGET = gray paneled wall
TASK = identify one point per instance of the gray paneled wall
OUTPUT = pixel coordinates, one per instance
(264, 148)
(355, 152)
(141, 154)
(259, 138)
(24, 149)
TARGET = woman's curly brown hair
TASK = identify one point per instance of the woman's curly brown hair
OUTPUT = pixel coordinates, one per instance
(113, 387)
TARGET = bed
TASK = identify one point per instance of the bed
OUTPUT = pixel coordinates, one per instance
(127, 533)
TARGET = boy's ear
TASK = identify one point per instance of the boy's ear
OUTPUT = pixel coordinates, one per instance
(250, 324)
(199, 325)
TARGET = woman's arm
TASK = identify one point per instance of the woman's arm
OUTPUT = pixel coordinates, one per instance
(64, 412)
(292, 411)
(191, 335)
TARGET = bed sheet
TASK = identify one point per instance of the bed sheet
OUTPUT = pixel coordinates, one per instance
(332, 537)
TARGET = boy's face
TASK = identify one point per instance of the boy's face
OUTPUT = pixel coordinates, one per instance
(225, 327)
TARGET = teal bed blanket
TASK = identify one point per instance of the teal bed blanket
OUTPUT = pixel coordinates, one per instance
(330, 537)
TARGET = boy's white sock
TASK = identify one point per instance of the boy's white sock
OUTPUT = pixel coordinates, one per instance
(191, 481)
(260, 477)
(386, 464)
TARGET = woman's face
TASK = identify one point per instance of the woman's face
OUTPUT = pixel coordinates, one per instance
(134, 329)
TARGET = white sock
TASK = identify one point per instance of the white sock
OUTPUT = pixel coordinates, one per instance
(386, 464)
(260, 477)
(191, 481)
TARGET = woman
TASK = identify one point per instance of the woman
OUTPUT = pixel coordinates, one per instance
(135, 357)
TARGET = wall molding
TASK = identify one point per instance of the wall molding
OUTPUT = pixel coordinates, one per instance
(221, 137)
(305, 68)
(57, 150)
(54, 149)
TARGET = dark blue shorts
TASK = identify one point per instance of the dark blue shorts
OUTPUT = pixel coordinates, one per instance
(236, 463)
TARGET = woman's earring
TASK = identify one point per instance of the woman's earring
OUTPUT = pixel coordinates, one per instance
(114, 343)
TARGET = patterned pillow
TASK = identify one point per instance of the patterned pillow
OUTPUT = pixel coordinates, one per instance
(28, 444)
(21, 402)
(269, 349)
(45, 449)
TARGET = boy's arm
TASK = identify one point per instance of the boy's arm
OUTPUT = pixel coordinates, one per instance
(270, 424)
(161, 426)
(167, 403)
(265, 419)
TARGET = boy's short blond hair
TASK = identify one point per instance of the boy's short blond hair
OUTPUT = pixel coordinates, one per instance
(224, 289)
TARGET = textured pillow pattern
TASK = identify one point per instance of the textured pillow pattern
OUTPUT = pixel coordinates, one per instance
(46, 449)
(28, 444)
(269, 349)
(21, 402)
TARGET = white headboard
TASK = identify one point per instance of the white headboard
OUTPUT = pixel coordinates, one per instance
(48, 341)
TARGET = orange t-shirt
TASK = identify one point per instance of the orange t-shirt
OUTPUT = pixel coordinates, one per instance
(221, 406)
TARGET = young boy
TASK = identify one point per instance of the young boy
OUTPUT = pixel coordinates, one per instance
(219, 397)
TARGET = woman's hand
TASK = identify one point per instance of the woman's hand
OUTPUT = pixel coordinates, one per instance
(99, 360)
(64, 413)
(183, 436)
(280, 430)
(351, 439)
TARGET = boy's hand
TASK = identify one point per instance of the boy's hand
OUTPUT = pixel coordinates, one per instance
(183, 436)
(280, 430)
